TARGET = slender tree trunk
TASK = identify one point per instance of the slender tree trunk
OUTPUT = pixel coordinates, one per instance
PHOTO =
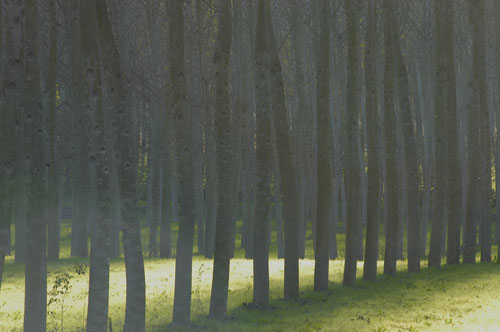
(453, 165)
(263, 152)
(224, 235)
(7, 142)
(497, 116)
(391, 182)
(484, 134)
(100, 160)
(476, 16)
(53, 176)
(324, 163)
(435, 250)
(4, 220)
(14, 43)
(288, 169)
(411, 161)
(79, 246)
(372, 119)
(35, 302)
(183, 124)
(353, 222)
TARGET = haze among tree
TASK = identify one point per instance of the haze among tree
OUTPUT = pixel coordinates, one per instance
(260, 165)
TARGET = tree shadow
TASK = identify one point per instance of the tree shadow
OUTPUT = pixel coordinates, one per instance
(406, 302)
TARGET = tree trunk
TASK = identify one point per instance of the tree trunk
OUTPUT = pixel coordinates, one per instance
(391, 182)
(126, 168)
(100, 161)
(53, 176)
(224, 234)
(7, 142)
(353, 222)
(183, 124)
(372, 119)
(476, 16)
(263, 153)
(497, 116)
(288, 169)
(452, 162)
(79, 246)
(412, 166)
(35, 302)
(484, 133)
(435, 250)
(324, 163)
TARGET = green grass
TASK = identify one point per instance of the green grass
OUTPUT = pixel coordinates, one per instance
(460, 298)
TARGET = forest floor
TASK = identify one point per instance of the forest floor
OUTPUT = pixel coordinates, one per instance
(458, 298)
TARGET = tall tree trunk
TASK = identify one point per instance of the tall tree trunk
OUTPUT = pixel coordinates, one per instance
(79, 246)
(435, 250)
(288, 169)
(35, 302)
(183, 124)
(53, 176)
(100, 160)
(497, 116)
(353, 222)
(263, 152)
(391, 182)
(224, 234)
(411, 161)
(324, 163)
(452, 162)
(126, 168)
(484, 134)
(7, 141)
(14, 43)
(476, 16)
(372, 119)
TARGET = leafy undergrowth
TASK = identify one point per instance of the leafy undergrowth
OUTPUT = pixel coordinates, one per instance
(458, 298)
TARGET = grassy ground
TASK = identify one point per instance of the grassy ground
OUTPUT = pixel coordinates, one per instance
(461, 298)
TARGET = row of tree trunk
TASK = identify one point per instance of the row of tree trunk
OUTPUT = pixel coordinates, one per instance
(263, 125)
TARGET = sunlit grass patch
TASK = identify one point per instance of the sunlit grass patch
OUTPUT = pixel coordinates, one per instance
(459, 298)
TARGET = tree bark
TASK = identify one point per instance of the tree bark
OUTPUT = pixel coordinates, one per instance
(353, 222)
(435, 250)
(484, 134)
(35, 302)
(288, 169)
(372, 119)
(224, 234)
(391, 182)
(476, 16)
(452, 162)
(183, 122)
(79, 246)
(324, 163)
(53, 176)
(412, 166)
(100, 162)
(125, 164)
(263, 153)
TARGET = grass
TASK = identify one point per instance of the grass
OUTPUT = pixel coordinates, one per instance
(459, 298)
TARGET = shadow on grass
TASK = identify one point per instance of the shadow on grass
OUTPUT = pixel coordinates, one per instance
(407, 302)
